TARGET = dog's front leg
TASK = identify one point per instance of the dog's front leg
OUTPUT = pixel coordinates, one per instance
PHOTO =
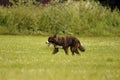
(55, 50)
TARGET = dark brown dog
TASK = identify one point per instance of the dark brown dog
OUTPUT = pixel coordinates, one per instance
(65, 42)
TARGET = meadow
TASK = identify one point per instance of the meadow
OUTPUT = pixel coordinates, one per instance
(29, 58)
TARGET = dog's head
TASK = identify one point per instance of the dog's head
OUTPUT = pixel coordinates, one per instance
(51, 40)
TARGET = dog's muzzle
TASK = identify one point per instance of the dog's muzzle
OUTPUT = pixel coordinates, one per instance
(48, 43)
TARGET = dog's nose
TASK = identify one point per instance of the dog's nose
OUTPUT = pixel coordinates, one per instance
(48, 43)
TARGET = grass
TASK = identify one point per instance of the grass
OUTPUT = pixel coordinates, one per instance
(29, 58)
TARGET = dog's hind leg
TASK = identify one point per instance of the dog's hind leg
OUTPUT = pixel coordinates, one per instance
(77, 52)
(66, 50)
(72, 50)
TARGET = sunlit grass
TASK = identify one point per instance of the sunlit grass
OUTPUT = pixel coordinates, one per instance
(29, 58)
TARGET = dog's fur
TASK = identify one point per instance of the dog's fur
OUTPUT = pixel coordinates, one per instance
(65, 42)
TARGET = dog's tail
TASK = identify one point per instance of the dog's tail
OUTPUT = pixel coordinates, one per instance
(81, 48)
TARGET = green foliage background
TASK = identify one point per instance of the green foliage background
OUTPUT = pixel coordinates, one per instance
(84, 18)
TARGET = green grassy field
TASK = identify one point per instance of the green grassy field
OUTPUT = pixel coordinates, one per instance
(29, 58)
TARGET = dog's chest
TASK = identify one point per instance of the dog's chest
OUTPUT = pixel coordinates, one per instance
(57, 46)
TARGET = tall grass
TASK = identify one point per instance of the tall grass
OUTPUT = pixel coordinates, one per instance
(80, 18)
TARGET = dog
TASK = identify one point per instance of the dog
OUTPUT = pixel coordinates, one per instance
(65, 42)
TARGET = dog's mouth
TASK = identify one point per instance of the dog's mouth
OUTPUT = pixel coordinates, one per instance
(48, 43)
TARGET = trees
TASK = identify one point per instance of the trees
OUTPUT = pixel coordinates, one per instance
(11, 2)
(110, 3)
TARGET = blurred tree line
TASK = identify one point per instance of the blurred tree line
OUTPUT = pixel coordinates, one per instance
(109, 3)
